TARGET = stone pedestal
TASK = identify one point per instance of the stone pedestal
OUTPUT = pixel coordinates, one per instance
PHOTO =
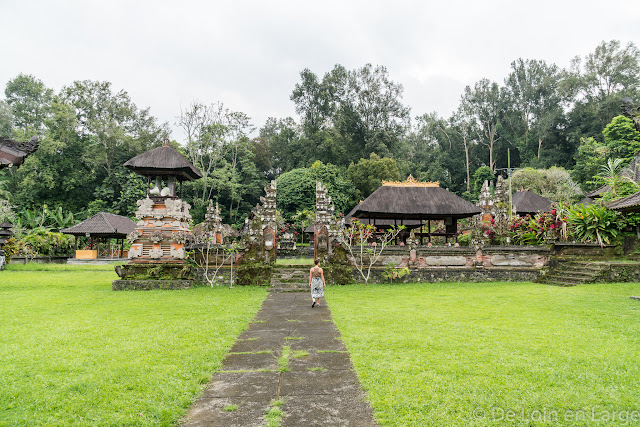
(157, 246)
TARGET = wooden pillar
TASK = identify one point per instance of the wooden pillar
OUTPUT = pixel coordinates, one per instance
(395, 224)
(421, 228)
(375, 230)
(455, 223)
(446, 236)
(429, 230)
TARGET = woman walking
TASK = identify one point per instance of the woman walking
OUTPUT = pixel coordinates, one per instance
(316, 283)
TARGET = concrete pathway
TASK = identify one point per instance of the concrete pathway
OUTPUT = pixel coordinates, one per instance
(289, 368)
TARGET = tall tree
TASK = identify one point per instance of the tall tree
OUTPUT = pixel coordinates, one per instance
(287, 146)
(212, 132)
(372, 111)
(30, 101)
(596, 86)
(350, 114)
(483, 104)
(315, 99)
(622, 138)
(112, 125)
(56, 173)
(531, 92)
(367, 175)
(6, 119)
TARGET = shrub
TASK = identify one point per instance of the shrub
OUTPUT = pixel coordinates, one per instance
(526, 231)
(543, 226)
(595, 223)
(43, 242)
(391, 272)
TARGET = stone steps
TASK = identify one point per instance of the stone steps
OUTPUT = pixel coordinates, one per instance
(290, 279)
(574, 273)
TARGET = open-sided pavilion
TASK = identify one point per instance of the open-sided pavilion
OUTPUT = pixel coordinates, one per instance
(104, 227)
(410, 201)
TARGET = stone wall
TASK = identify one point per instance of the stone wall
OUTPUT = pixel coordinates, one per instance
(621, 272)
(466, 257)
(430, 275)
(298, 252)
(40, 260)
(586, 250)
(223, 277)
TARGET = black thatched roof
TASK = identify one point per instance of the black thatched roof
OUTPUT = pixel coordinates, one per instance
(13, 153)
(103, 224)
(626, 204)
(631, 171)
(528, 202)
(414, 200)
(586, 201)
(163, 161)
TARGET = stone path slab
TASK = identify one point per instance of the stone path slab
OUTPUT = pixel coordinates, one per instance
(290, 353)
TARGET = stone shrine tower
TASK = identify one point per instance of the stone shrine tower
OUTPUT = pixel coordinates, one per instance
(163, 219)
(324, 213)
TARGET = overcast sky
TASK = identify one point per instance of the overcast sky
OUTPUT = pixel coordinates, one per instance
(248, 54)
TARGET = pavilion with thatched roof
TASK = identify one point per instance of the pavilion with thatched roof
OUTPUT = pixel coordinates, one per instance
(402, 203)
(529, 203)
(627, 204)
(102, 226)
(163, 163)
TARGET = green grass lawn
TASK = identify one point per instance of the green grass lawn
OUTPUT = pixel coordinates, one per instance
(74, 352)
(467, 353)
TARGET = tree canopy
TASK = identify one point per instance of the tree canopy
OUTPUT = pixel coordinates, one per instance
(352, 130)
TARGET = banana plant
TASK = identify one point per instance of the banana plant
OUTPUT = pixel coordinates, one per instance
(59, 220)
(33, 218)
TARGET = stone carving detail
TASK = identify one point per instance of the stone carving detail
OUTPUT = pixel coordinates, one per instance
(269, 206)
(157, 236)
(269, 242)
(181, 236)
(160, 223)
(177, 253)
(133, 236)
(500, 209)
(145, 208)
(177, 209)
(485, 200)
(495, 208)
(268, 218)
(212, 225)
(259, 227)
(135, 251)
(287, 241)
(322, 242)
(412, 241)
(155, 253)
(325, 229)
